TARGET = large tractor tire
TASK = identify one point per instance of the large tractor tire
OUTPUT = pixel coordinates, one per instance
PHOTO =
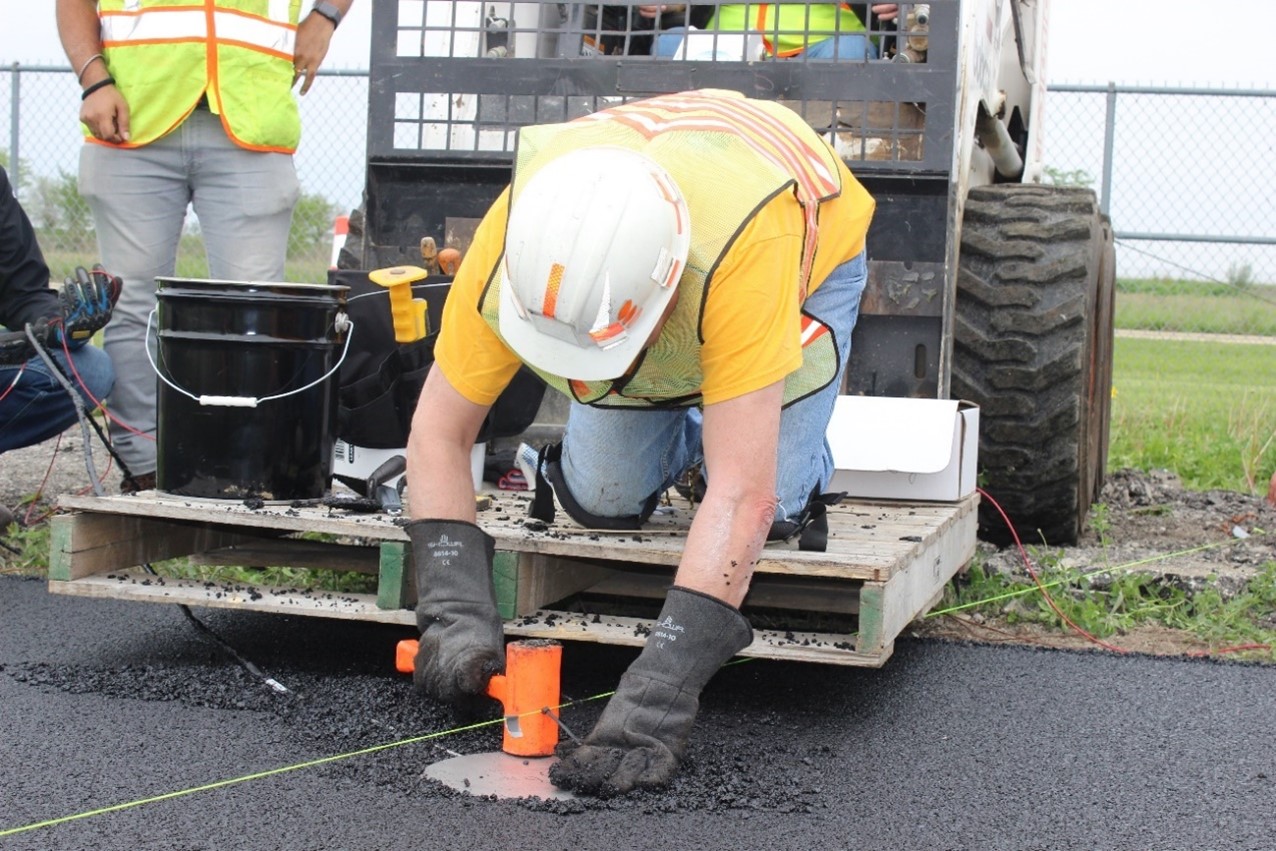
(1032, 346)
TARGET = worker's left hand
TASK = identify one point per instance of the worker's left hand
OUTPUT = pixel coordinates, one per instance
(87, 299)
(636, 744)
(314, 34)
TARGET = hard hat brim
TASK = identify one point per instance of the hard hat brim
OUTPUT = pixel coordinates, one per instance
(572, 360)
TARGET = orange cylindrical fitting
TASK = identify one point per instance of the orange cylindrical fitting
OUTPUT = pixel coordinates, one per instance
(405, 655)
(528, 687)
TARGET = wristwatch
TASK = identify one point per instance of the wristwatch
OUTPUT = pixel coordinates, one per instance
(329, 11)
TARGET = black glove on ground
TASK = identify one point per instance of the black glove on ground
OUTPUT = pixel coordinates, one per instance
(642, 735)
(462, 634)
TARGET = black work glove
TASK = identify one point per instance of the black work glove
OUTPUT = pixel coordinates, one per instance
(462, 634)
(87, 301)
(641, 737)
(15, 349)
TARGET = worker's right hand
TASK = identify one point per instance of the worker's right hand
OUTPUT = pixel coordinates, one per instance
(15, 348)
(462, 634)
(105, 113)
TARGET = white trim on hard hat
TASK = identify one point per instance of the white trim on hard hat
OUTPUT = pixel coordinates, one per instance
(594, 248)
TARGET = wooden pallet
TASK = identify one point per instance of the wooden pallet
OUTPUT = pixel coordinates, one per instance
(886, 564)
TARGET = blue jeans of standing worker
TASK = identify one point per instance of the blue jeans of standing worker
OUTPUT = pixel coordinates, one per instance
(244, 201)
(38, 407)
(614, 460)
(854, 46)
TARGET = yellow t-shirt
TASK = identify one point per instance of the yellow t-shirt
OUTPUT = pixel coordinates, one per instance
(752, 321)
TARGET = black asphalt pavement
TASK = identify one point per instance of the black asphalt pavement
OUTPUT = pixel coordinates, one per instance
(106, 703)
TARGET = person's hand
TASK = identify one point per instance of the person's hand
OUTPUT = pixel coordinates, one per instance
(654, 10)
(885, 11)
(105, 113)
(462, 634)
(88, 300)
(15, 348)
(314, 34)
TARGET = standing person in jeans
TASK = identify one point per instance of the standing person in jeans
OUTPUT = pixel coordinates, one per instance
(34, 404)
(186, 105)
(687, 270)
(788, 30)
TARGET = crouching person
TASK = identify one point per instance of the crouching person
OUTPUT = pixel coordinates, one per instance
(688, 270)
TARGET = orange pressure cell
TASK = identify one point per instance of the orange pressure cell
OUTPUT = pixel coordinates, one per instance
(529, 687)
(529, 691)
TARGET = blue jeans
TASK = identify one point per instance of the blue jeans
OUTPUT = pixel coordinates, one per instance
(38, 407)
(614, 460)
(139, 196)
(853, 47)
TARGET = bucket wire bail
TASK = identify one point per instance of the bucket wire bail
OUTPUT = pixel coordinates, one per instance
(342, 324)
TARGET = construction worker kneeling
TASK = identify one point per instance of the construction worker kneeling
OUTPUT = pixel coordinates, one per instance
(687, 269)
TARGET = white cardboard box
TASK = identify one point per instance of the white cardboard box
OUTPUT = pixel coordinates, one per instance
(892, 448)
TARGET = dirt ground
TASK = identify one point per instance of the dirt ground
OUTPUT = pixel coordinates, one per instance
(1152, 525)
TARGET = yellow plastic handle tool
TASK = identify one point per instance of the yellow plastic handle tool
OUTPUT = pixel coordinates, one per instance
(409, 314)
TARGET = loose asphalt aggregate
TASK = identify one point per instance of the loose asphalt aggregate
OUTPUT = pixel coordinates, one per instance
(124, 727)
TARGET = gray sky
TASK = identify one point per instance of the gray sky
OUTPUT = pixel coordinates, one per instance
(1162, 42)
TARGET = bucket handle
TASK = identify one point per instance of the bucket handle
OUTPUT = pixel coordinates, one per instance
(342, 323)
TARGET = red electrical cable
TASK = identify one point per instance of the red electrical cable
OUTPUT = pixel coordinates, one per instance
(1046, 594)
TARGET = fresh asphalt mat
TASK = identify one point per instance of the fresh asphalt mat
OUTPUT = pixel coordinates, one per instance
(125, 728)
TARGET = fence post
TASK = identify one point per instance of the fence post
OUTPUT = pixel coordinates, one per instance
(15, 169)
(1109, 134)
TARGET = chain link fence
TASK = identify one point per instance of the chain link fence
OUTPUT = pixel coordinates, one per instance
(1186, 176)
(1184, 173)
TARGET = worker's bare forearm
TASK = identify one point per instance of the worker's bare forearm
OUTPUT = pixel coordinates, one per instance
(724, 544)
(741, 437)
(444, 426)
(81, 34)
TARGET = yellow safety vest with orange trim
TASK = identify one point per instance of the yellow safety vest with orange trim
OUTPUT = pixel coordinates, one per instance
(745, 152)
(787, 28)
(165, 55)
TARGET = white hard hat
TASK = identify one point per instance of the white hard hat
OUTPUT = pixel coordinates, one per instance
(596, 243)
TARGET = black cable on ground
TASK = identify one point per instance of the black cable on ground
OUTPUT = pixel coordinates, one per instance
(83, 417)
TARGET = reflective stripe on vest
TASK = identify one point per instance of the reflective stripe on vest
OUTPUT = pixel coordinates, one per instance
(759, 150)
(788, 36)
(764, 131)
(167, 54)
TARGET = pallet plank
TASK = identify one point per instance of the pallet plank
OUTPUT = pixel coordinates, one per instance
(886, 564)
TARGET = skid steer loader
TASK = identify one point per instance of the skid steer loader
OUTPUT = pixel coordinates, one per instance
(985, 283)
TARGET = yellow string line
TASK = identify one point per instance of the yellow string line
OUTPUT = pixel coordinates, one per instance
(219, 784)
(426, 737)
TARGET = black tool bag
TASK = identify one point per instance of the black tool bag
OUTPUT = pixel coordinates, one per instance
(381, 379)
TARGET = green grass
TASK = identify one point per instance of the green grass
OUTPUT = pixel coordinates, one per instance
(1196, 307)
(1205, 410)
(306, 267)
(1108, 603)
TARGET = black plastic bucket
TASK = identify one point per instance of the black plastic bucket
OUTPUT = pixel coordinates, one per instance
(247, 401)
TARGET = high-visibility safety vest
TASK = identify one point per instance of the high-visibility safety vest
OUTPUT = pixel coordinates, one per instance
(784, 26)
(166, 55)
(749, 151)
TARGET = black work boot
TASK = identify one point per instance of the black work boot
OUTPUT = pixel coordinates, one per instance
(462, 634)
(642, 735)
